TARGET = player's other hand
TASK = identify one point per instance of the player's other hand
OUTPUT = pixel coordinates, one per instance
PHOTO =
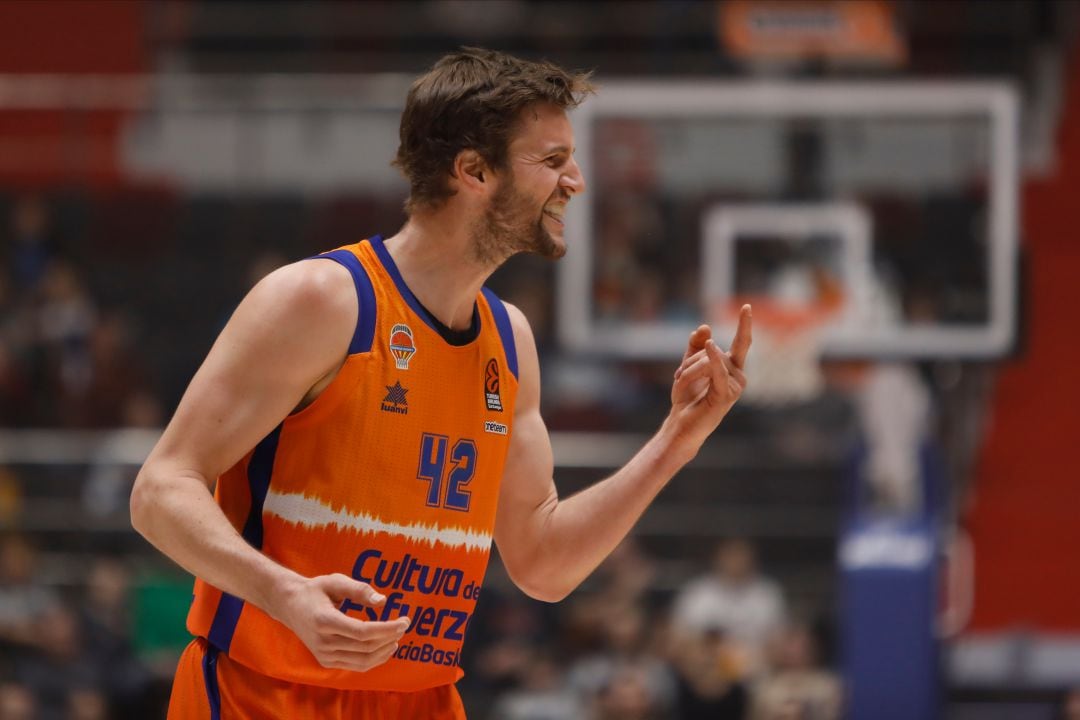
(707, 383)
(310, 608)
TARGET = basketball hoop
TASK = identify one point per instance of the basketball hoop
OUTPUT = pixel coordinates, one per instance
(784, 363)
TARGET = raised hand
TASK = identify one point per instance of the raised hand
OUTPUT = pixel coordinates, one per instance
(310, 609)
(708, 382)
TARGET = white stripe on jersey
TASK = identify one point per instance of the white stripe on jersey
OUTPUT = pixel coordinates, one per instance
(311, 512)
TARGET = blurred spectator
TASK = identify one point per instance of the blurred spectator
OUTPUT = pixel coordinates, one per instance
(114, 378)
(624, 580)
(515, 628)
(541, 696)
(630, 233)
(627, 696)
(87, 704)
(710, 677)
(796, 687)
(11, 497)
(501, 642)
(105, 625)
(109, 483)
(624, 659)
(31, 249)
(684, 303)
(23, 601)
(1070, 707)
(734, 598)
(626, 577)
(16, 702)
(64, 322)
(61, 674)
(649, 297)
(15, 393)
(66, 314)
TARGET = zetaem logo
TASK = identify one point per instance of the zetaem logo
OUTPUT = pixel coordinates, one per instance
(495, 428)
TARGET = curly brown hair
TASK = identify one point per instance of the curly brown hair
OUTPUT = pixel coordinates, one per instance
(472, 99)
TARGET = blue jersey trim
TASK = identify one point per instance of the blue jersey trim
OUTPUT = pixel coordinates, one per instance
(259, 470)
(226, 617)
(364, 334)
(506, 330)
(210, 679)
(422, 312)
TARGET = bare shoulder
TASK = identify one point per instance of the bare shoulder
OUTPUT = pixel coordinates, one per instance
(308, 291)
(304, 312)
(308, 286)
(291, 330)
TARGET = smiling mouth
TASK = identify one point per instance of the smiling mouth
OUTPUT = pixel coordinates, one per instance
(556, 217)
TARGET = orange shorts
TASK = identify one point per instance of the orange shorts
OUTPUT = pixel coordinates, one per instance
(210, 686)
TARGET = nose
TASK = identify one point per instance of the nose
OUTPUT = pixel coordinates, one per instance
(572, 180)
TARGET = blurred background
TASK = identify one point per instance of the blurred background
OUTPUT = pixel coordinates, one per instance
(885, 527)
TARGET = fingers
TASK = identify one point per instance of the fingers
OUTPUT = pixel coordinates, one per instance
(341, 641)
(375, 643)
(719, 363)
(688, 361)
(691, 381)
(363, 631)
(369, 633)
(723, 371)
(698, 369)
(358, 661)
(741, 344)
(313, 609)
(698, 338)
(342, 587)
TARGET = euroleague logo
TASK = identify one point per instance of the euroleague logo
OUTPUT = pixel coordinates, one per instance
(402, 346)
(491, 386)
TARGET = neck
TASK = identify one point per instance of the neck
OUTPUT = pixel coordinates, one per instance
(435, 257)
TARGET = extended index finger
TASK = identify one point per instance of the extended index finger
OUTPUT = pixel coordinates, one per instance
(741, 344)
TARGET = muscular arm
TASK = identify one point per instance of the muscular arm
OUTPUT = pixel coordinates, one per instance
(290, 334)
(550, 545)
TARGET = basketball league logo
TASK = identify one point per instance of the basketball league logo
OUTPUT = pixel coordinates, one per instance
(491, 386)
(402, 346)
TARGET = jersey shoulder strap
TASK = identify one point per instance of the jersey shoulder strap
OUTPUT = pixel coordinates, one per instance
(364, 334)
(506, 330)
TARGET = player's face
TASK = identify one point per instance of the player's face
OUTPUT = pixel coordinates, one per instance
(526, 212)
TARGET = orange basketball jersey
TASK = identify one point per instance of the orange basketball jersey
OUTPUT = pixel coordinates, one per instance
(391, 476)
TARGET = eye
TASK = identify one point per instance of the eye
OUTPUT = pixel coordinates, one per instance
(554, 160)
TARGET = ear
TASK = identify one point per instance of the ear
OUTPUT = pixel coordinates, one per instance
(470, 173)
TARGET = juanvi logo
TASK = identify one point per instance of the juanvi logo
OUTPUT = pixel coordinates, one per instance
(395, 401)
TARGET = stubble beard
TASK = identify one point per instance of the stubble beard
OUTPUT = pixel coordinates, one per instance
(508, 227)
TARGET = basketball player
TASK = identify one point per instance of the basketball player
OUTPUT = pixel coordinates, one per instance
(371, 420)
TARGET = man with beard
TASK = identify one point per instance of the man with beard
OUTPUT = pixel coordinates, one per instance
(371, 420)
